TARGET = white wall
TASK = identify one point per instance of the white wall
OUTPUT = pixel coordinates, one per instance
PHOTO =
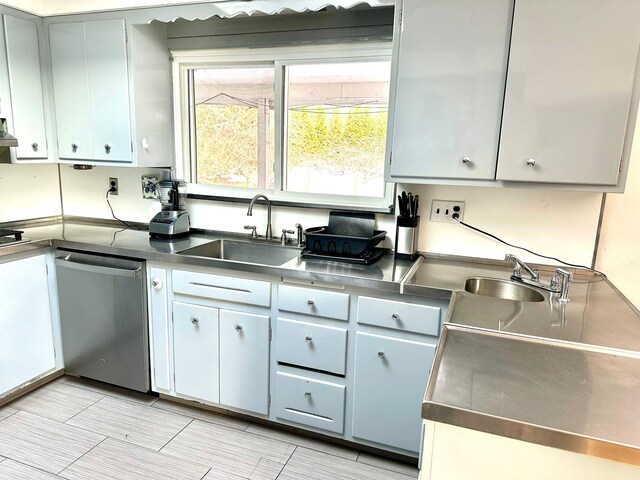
(555, 223)
(619, 251)
(29, 191)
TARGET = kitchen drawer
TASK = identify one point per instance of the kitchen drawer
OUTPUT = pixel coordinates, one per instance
(310, 345)
(310, 402)
(219, 287)
(409, 317)
(310, 301)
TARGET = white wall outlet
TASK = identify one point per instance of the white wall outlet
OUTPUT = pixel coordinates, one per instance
(449, 211)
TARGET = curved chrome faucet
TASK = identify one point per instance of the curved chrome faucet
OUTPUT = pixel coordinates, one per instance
(268, 234)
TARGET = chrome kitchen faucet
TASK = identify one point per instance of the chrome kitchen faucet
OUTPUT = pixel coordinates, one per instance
(559, 282)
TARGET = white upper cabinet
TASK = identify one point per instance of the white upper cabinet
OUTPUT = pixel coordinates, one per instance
(571, 74)
(450, 66)
(112, 93)
(89, 66)
(25, 85)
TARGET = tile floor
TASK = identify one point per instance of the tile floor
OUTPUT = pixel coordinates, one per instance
(78, 429)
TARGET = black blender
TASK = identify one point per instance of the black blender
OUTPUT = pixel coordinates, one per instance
(173, 219)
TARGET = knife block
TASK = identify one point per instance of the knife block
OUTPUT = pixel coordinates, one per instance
(407, 237)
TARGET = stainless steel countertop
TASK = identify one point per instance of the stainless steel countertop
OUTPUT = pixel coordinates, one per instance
(384, 275)
(562, 395)
(560, 375)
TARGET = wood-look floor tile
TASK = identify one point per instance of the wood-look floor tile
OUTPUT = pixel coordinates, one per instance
(44, 443)
(301, 440)
(116, 460)
(224, 449)
(388, 464)
(57, 401)
(312, 465)
(218, 475)
(11, 470)
(202, 414)
(7, 412)
(110, 390)
(266, 470)
(131, 422)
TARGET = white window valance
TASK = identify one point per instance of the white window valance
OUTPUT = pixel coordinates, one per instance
(234, 8)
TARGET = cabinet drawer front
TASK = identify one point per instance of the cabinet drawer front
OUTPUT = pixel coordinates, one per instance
(314, 302)
(313, 346)
(219, 287)
(195, 347)
(310, 402)
(400, 316)
(389, 383)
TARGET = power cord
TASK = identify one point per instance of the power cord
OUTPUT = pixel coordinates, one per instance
(112, 189)
(476, 229)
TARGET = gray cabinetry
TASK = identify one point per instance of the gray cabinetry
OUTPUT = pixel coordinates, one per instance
(389, 383)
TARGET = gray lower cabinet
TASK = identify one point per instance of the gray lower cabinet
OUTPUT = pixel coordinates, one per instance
(195, 350)
(389, 383)
(244, 361)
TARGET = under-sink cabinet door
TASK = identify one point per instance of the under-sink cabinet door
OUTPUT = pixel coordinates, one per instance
(159, 316)
(195, 347)
(244, 361)
(389, 383)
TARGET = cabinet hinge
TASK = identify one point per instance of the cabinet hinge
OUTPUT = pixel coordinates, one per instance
(269, 402)
(270, 334)
(621, 160)
(390, 157)
(46, 267)
(400, 17)
(131, 147)
(126, 36)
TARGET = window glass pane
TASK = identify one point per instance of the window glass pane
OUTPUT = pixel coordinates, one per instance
(234, 126)
(336, 128)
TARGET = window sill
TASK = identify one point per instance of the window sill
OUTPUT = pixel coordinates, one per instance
(297, 204)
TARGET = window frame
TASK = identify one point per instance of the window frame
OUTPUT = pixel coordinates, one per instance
(278, 58)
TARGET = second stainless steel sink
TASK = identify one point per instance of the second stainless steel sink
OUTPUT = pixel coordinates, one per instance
(491, 287)
(246, 252)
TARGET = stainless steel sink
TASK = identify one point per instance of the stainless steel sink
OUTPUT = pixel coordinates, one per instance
(491, 287)
(246, 252)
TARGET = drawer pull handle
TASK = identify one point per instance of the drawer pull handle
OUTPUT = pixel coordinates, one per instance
(381, 354)
(531, 162)
(308, 339)
(395, 316)
(34, 146)
(194, 320)
(311, 303)
(156, 283)
(107, 148)
(74, 147)
(238, 328)
(307, 394)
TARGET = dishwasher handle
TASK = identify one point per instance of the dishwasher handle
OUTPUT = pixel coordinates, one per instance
(86, 267)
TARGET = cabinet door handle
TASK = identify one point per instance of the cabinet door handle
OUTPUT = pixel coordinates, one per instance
(107, 148)
(308, 339)
(311, 303)
(531, 162)
(74, 147)
(156, 283)
(34, 146)
(395, 316)
(195, 320)
(381, 354)
(238, 328)
(307, 394)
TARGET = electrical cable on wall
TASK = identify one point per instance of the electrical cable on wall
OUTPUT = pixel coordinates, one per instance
(114, 215)
(476, 229)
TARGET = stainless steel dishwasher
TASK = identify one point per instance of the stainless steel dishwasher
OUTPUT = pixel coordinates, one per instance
(103, 312)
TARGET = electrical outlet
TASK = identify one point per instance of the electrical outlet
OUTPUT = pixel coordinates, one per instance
(113, 183)
(449, 211)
